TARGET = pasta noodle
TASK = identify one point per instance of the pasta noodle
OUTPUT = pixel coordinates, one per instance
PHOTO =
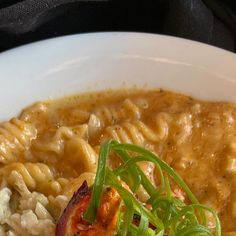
(82, 156)
(162, 124)
(15, 137)
(112, 115)
(57, 141)
(36, 176)
(53, 145)
(75, 183)
(135, 132)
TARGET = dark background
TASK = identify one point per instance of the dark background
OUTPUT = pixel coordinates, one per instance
(208, 21)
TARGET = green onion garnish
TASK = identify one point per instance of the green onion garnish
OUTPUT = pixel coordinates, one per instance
(166, 215)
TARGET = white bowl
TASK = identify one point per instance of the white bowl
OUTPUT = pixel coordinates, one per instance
(78, 63)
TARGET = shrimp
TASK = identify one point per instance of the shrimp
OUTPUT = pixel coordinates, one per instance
(72, 222)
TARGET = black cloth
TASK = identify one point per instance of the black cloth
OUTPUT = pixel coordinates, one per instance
(208, 21)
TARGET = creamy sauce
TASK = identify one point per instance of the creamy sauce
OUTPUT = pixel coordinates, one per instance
(197, 138)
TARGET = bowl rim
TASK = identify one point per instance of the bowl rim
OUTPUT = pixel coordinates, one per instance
(115, 33)
(21, 63)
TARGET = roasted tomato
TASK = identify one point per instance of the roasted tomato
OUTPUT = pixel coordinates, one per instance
(71, 222)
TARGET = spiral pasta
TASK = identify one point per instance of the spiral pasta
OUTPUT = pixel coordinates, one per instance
(135, 132)
(80, 155)
(112, 115)
(162, 121)
(15, 137)
(36, 176)
(44, 149)
(183, 127)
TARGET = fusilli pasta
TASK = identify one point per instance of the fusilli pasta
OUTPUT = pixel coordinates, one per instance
(135, 132)
(53, 145)
(36, 176)
(80, 155)
(15, 137)
(112, 115)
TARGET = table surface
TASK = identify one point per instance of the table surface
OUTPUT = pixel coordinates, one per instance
(22, 22)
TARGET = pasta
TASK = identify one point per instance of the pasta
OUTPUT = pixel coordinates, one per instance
(15, 137)
(52, 147)
(54, 144)
(36, 176)
(135, 132)
(82, 156)
(112, 115)
(75, 183)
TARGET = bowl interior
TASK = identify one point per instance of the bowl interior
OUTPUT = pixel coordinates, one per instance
(79, 63)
